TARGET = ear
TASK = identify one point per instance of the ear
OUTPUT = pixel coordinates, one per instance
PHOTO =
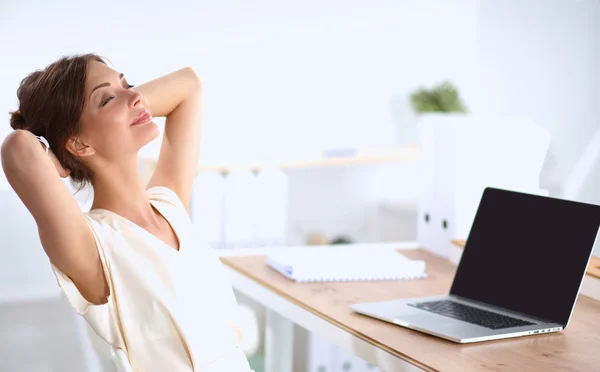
(79, 148)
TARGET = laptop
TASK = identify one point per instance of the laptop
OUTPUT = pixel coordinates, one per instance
(519, 275)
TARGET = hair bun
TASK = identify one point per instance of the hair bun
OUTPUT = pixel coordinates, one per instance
(17, 121)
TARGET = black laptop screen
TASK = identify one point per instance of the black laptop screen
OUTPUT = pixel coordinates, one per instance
(527, 253)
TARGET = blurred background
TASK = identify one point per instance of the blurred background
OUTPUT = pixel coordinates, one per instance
(309, 115)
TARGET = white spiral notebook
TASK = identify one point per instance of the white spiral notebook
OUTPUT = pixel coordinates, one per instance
(339, 265)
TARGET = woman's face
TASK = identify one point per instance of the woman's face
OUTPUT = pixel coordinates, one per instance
(111, 107)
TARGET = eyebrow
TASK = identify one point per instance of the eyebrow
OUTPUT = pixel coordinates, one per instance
(104, 85)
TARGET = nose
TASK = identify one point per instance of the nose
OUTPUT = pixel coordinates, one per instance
(136, 99)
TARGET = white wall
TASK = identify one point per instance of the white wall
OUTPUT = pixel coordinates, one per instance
(540, 59)
(276, 74)
(592, 190)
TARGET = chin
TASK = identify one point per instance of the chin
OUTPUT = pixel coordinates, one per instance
(154, 129)
(148, 134)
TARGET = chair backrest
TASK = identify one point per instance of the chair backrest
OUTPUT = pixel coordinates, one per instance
(111, 359)
(121, 361)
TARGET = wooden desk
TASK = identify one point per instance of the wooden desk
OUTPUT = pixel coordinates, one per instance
(575, 349)
(593, 269)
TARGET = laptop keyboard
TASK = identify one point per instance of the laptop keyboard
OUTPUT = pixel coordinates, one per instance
(470, 314)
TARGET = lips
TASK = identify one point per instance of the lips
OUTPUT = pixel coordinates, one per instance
(143, 117)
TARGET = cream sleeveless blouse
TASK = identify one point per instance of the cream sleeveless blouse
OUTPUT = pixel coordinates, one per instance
(168, 310)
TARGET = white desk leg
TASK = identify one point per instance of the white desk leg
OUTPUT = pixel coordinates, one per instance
(279, 340)
(388, 363)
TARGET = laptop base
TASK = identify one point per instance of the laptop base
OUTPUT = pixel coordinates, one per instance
(400, 312)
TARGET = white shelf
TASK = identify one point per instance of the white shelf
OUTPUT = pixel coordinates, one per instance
(311, 160)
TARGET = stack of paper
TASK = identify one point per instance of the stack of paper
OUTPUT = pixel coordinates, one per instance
(338, 265)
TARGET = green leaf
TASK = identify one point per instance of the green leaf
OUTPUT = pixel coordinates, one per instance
(443, 97)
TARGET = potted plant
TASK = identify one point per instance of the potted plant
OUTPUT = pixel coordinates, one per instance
(441, 98)
(442, 101)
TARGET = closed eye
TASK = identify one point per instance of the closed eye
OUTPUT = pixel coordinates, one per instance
(128, 86)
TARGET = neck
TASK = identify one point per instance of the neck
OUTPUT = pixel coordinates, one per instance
(119, 188)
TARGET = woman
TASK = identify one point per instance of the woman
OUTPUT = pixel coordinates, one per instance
(132, 266)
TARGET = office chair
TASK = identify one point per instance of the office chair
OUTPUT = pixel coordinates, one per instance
(121, 362)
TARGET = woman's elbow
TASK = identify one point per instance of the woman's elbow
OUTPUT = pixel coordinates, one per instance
(196, 83)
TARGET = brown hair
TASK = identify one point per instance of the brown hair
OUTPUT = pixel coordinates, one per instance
(51, 102)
